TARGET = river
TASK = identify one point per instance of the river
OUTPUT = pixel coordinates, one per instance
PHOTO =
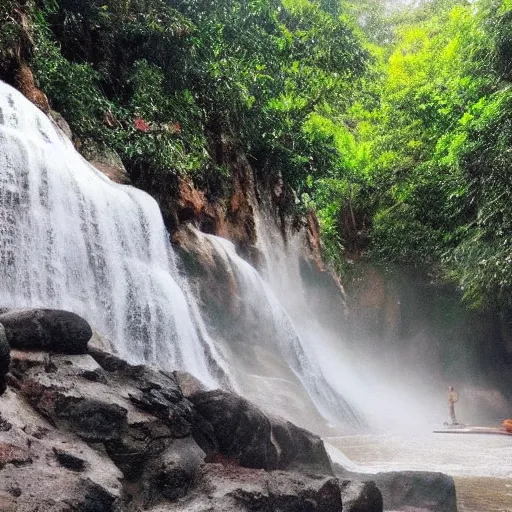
(480, 464)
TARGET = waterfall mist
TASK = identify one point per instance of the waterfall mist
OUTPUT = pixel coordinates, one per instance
(386, 394)
(275, 330)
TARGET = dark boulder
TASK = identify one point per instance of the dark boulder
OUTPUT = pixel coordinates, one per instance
(299, 449)
(173, 473)
(430, 491)
(361, 497)
(245, 434)
(46, 329)
(5, 359)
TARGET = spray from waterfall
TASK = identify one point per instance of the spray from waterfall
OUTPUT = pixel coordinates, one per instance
(283, 335)
(388, 395)
(72, 239)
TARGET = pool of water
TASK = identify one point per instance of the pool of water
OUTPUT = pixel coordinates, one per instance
(480, 464)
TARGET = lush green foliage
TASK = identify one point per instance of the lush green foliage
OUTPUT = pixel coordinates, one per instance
(434, 140)
(269, 72)
(11, 32)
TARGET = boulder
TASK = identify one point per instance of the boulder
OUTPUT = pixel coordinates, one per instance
(46, 329)
(422, 490)
(254, 440)
(235, 489)
(243, 432)
(299, 449)
(5, 358)
(361, 497)
(171, 475)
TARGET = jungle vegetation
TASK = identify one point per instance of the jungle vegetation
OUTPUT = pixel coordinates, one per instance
(393, 120)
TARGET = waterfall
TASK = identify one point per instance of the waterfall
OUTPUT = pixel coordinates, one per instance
(274, 329)
(388, 394)
(72, 239)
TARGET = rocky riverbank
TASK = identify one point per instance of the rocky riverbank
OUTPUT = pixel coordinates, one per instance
(82, 430)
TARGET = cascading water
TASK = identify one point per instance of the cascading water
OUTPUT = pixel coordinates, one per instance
(72, 239)
(280, 333)
(378, 393)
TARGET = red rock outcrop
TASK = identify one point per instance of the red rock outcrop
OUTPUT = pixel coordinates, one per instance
(26, 85)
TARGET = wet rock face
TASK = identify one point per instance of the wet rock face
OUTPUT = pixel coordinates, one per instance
(245, 434)
(46, 329)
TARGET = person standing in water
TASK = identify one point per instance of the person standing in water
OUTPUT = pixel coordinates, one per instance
(452, 398)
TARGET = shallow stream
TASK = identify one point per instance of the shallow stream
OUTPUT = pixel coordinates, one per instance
(480, 464)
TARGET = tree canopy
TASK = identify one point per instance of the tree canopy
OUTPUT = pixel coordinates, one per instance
(433, 146)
